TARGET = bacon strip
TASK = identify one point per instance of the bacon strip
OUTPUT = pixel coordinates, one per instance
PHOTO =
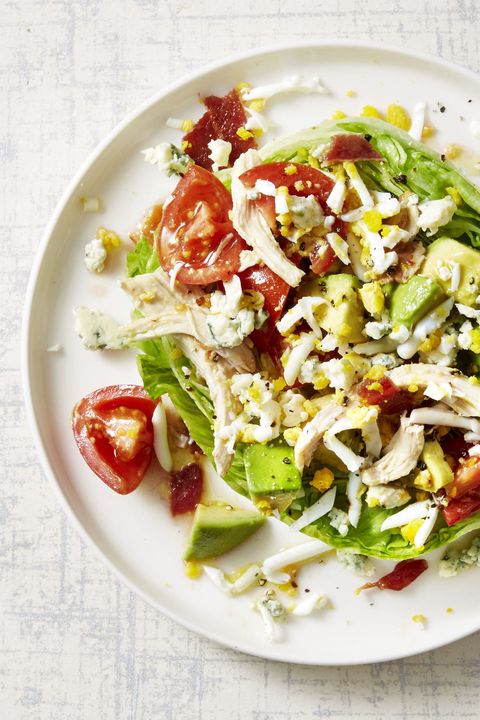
(350, 148)
(223, 117)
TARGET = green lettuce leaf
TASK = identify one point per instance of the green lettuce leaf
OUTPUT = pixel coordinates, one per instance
(408, 165)
(143, 259)
(160, 365)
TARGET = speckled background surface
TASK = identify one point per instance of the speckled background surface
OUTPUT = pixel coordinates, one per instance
(74, 643)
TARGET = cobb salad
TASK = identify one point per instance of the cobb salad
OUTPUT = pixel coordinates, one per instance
(306, 314)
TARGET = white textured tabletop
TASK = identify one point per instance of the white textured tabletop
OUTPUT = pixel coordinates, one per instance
(75, 643)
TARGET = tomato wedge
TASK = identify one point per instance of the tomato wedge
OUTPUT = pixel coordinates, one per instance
(197, 232)
(113, 430)
(275, 292)
(461, 508)
(389, 397)
(466, 478)
(304, 181)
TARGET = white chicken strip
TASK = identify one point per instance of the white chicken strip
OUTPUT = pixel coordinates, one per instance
(216, 375)
(170, 311)
(250, 224)
(313, 432)
(401, 457)
(464, 397)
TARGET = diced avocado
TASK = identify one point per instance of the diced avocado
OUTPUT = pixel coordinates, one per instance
(439, 469)
(218, 529)
(414, 299)
(446, 250)
(271, 469)
(344, 314)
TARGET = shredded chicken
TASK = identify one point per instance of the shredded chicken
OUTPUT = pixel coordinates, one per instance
(401, 457)
(250, 224)
(463, 396)
(313, 432)
(216, 374)
(170, 310)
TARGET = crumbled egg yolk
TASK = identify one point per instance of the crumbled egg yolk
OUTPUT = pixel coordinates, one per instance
(398, 116)
(409, 530)
(370, 111)
(452, 151)
(193, 570)
(278, 384)
(427, 132)
(338, 115)
(257, 105)
(322, 480)
(291, 435)
(264, 507)
(290, 170)
(432, 342)
(421, 619)
(453, 192)
(109, 239)
(350, 93)
(372, 298)
(244, 134)
(376, 372)
(475, 340)
(421, 495)
(373, 220)
(187, 125)
(243, 85)
(386, 429)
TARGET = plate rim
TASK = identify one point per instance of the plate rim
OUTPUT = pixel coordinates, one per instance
(25, 347)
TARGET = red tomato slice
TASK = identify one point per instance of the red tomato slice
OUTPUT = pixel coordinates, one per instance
(467, 477)
(322, 258)
(197, 232)
(313, 182)
(389, 397)
(275, 291)
(113, 431)
(461, 508)
(402, 575)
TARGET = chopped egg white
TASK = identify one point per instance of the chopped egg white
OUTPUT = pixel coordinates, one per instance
(424, 328)
(339, 247)
(160, 437)
(354, 485)
(415, 511)
(423, 532)
(319, 508)
(292, 83)
(285, 558)
(418, 121)
(314, 601)
(219, 153)
(299, 352)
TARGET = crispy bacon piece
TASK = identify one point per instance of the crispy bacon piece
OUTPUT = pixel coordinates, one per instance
(223, 117)
(186, 488)
(410, 257)
(350, 148)
(402, 575)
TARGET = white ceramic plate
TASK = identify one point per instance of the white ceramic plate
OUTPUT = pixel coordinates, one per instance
(135, 534)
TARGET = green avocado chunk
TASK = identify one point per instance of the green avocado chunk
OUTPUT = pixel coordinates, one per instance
(271, 469)
(446, 250)
(434, 458)
(413, 300)
(344, 314)
(218, 529)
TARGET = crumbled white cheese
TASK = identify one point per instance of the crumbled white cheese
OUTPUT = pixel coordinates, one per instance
(339, 521)
(265, 187)
(435, 213)
(95, 255)
(359, 564)
(387, 496)
(377, 330)
(456, 560)
(96, 330)
(293, 412)
(306, 212)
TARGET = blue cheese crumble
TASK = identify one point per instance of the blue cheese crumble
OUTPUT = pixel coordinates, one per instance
(456, 560)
